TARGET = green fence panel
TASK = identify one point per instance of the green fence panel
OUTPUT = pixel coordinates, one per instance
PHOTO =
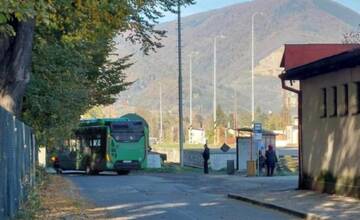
(17, 163)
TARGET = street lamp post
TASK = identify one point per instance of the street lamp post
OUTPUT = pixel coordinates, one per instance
(252, 67)
(253, 79)
(214, 101)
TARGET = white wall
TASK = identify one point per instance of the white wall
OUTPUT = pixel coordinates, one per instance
(42, 156)
(153, 160)
(219, 161)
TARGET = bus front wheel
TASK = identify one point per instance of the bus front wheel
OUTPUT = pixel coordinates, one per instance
(123, 172)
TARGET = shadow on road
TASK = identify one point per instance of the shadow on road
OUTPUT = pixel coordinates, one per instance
(168, 196)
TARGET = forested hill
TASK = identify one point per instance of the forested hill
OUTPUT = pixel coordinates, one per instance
(284, 21)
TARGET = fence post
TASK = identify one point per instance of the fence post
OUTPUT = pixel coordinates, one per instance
(17, 168)
(17, 163)
(3, 165)
(33, 160)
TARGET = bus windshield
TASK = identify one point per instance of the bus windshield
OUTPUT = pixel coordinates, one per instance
(127, 131)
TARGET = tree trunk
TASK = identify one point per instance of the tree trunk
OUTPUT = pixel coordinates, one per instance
(15, 60)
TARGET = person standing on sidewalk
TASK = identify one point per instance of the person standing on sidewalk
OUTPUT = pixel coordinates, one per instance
(206, 157)
(270, 160)
(261, 162)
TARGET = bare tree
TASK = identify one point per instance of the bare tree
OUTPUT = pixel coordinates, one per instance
(352, 37)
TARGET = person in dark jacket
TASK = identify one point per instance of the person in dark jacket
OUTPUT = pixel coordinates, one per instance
(261, 162)
(270, 160)
(206, 157)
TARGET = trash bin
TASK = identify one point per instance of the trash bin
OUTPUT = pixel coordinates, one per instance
(230, 167)
(251, 168)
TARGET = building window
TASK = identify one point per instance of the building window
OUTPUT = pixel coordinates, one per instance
(346, 100)
(324, 103)
(335, 102)
(357, 98)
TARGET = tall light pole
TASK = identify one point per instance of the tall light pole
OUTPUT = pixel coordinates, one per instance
(181, 125)
(214, 78)
(192, 54)
(252, 68)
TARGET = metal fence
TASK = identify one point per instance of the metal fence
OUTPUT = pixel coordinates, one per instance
(17, 163)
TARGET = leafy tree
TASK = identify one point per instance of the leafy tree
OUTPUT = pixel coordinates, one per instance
(274, 122)
(71, 68)
(244, 119)
(56, 95)
(16, 33)
(221, 117)
(199, 119)
(95, 112)
(260, 116)
(82, 23)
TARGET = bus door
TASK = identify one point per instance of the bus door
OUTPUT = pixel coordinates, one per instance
(92, 147)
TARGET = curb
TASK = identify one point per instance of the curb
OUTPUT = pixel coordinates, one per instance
(303, 215)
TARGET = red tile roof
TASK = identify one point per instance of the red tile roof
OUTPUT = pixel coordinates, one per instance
(296, 55)
(347, 59)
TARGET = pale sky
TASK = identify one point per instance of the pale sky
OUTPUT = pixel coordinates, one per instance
(206, 5)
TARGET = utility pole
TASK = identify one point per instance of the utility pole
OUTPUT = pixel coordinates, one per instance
(253, 68)
(161, 116)
(181, 125)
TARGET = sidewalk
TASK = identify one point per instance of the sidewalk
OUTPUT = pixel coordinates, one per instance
(265, 191)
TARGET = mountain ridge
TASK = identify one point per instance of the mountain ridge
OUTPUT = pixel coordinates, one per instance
(285, 21)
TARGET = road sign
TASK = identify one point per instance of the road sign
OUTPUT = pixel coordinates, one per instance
(258, 136)
(257, 130)
(225, 148)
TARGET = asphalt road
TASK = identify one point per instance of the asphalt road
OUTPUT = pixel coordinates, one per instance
(152, 196)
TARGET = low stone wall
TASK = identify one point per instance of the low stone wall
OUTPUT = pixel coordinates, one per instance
(193, 157)
(153, 160)
(218, 159)
(172, 154)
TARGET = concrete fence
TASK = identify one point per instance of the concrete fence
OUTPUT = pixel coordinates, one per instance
(17, 163)
(172, 154)
(218, 159)
(193, 157)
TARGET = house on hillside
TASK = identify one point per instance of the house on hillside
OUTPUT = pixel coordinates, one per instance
(197, 136)
(329, 115)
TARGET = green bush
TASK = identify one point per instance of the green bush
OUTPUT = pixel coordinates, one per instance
(32, 204)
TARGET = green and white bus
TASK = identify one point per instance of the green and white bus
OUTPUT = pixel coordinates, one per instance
(119, 145)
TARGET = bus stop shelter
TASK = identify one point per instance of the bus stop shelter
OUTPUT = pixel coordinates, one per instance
(247, 149)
